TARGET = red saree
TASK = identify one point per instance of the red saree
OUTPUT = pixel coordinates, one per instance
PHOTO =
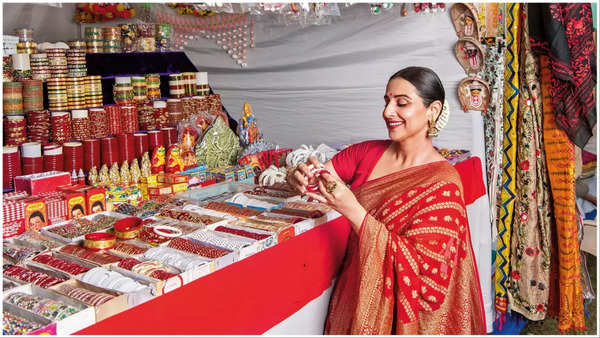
(411, 269)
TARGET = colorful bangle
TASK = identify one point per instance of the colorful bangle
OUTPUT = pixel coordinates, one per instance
(173, 232)
(99, 241)
(128, 228)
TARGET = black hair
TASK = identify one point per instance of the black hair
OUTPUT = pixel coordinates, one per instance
(37, 214)
(428, 84)
(98, 204)
(78, 206)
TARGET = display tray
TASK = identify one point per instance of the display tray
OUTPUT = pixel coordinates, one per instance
(136, 297)
(264, 243)
(219, 262)
(33, 264)
(214, 218)
(253, 246)
(282, 231)
(75, 322)
(191, 275)
(46, 230)
(159, 287)
(198, 195)
(200, 210)
(46, 327)
(102, 311)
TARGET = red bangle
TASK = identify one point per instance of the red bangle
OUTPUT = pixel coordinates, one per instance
(99, 241)
(128, 228)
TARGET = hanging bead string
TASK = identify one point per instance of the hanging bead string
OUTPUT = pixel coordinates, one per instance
(232, 32)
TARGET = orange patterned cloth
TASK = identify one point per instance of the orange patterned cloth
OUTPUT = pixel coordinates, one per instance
(560, 157)
(411, 269)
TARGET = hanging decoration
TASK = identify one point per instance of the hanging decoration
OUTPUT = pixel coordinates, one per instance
(474, 94)
(470, 55)
(232, 32)
(101, 12)
(466, 21)
(190, 9)
(429, 7)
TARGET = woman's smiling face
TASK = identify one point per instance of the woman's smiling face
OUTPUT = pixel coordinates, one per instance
(405, 114)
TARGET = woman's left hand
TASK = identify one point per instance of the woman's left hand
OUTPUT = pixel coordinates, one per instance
(338, 196)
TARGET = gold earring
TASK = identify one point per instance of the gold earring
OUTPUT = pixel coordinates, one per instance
(432, 131)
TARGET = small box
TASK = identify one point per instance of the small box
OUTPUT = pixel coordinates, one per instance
(161, 178)
(179, 187)
(151, 181)
(42, 182)
(116, 194)
(175, 178)
(144, 190)
(76, 205)
(36, 214)
(160, 190)
(95, 199)
(240, 175)
(229, 176)
(249, 171)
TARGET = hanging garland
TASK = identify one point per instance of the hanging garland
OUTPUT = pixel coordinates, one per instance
(100, 12)
(190, 9)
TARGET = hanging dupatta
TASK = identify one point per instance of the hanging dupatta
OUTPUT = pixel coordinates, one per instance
(492, 120)
(564, 32)
(505, 216)
(560, 158)
(411, 269)
(530, 242)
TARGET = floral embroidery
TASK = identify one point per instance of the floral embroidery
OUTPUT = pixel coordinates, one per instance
(524, 217)
(516, 275)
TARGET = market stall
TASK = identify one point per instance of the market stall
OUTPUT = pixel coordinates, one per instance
(146, 149)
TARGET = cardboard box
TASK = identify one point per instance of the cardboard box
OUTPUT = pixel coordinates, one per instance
(46, 327)
(36, 214)
(116, 194)
(158, 287)
(31, 264)
(151, 181)
(102, 311)
(95, 199)
(263, 243)
(161, 178)
(160, 190)
(42, 182)
(138, 297)
(176, 178)
(76, 204)
(219, 262)
(179, 187)
(75, 322)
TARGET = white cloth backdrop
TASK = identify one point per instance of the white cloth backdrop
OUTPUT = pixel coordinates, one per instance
(326, 83)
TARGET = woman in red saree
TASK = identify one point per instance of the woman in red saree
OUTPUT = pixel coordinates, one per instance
(409, 267)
